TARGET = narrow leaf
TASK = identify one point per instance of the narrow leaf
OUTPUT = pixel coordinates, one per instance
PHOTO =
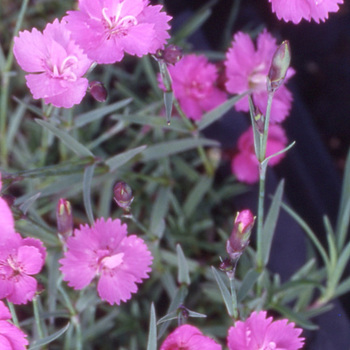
(68, 140)
(87, 180)
(216, 113)
(160, 209)
(247, 284)
(224, 292)
(47, 340)
(183, 275)
(270, 223)
(96, 114)
(152, 334)
(168, 103)
(120, 159)
(168, 148)
(196, 195)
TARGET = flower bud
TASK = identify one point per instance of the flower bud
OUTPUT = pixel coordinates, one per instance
(98, 91)
(123, 194)
(64, 218)
(171, 54)
(240, 235)
(279, 66)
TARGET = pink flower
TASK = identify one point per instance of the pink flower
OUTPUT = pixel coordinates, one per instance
(105, 29)
(295, 10)
(189, 338)
(11, 338)
(194, 80)
(19, 260)
(105, 251)
(245, 165)
(58, 63)
(259, 332)
(247, 68)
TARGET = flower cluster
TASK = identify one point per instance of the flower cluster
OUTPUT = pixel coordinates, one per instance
(256, 332)
(11, 337)
(101, 32)
(105, 251)
(19, 260)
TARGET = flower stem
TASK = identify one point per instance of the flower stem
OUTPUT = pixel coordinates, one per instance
(262, 177)
(13, 313)
(37, 318)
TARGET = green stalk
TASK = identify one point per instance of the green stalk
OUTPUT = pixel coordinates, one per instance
(13, 314)
(5, 84)
(262, 177)
(37, 318)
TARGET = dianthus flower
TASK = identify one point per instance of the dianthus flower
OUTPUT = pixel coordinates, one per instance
(259, 332)
(57, 62)
(194, 80)
(105, 251)
(295, 10)
(11, 337)
(245, 165)
(189, 338)
(19, 259)
(105, 29)
(247, 68)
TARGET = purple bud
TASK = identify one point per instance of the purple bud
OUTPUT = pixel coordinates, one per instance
(279, 66)
(64, 218)
(98, 91)
(240, 235)
(171, 54)
(123, 194)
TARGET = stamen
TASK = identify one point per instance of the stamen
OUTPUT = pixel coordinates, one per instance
(107, 19)
(66, 60)
(129, 19)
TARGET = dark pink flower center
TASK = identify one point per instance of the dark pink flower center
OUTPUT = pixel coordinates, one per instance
(117, 25)
(199, 90)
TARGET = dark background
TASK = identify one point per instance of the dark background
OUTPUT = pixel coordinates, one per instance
(319, 123)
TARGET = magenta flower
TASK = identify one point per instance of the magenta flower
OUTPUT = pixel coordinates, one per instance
(245, 165)
(295, 10)
(57, 62)
(105, 251)
(189, 338)
(11, 338)
(105, 29)
(247, 68)
(259, 332)
(194, 80)
(19, 260)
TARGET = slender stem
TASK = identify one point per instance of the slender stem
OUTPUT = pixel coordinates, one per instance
(5, 84)
(231, 277)
(37, 318)
(262, 176)
(13, 314)
(79, 339)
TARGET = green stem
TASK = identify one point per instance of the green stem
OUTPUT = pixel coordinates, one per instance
(37, 318)
(230, 23)
(13, 313)
(5, 84)
(231, 277)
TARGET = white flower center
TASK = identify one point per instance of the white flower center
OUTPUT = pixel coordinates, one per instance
(117, 25)
(257, 79)
(64, 71)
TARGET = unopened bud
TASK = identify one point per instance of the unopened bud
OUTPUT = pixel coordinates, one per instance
(240, 235)
(123, 194)
(171, 54)
(64, 218)
(279, 66)
(98, 91)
